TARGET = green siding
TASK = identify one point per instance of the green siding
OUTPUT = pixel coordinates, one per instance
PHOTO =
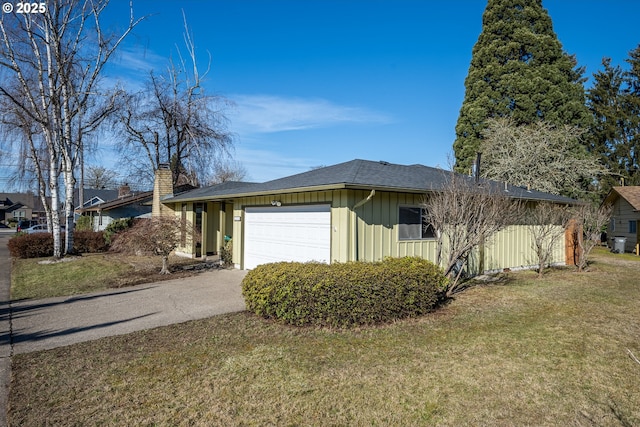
(368, 233)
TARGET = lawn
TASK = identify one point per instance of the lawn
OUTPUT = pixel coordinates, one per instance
(520, 351)
(36, 278)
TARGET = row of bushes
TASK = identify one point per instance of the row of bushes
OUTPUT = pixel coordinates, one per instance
(39, 245)
(344, 294)
(85, 240)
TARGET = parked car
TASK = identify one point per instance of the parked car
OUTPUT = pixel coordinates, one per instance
(40, 228)
(25, 223)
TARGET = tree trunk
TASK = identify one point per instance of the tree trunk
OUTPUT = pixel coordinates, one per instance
(165, 265)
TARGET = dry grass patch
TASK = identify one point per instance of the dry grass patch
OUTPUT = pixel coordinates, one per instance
(524, 352)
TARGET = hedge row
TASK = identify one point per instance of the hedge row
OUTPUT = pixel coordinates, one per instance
(343, 294)
(36, 245)
(40, 245)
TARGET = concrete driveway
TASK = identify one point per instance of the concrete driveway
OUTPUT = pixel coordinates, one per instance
(55, 322)
(32, 325)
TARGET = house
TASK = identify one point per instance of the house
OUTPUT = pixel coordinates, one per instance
(357, 210)
(128, 205)
(625, 216)
(20, 206)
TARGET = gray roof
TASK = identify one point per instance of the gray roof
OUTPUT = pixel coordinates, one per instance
(356, 174)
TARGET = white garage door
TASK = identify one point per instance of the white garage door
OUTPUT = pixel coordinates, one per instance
(287, 233)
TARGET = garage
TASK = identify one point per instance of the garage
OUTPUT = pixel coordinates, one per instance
(287, 233)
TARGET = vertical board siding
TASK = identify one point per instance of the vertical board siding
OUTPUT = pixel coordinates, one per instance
(513, 248)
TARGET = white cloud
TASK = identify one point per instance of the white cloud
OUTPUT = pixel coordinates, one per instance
(268, 114)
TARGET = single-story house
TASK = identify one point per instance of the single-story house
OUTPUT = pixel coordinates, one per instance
(625, 216)
(127, 205)
(357, 210)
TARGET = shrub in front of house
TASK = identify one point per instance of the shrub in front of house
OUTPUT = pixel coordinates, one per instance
(35, 245)
(85, 241)
(117, 226)
(344, 294)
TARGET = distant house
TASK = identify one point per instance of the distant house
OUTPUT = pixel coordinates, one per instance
(20, 206)
(357, 210)
(128, 204)
(625, 216)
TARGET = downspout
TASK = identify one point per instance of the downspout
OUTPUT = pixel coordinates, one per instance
(354, 224)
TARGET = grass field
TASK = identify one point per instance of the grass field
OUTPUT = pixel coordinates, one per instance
(520, 351)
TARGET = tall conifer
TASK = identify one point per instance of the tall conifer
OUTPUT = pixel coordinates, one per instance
(518, 70)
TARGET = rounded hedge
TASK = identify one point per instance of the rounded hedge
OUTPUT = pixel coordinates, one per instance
(343, 294)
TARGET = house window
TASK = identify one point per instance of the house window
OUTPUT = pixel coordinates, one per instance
(413, 225)
(613, 224)
(633, 227)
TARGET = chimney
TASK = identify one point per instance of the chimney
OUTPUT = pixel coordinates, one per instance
(124, 191)
(478, 157)
(162, 189)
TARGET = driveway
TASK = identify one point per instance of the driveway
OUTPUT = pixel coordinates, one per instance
(33, 325)
(55, 322)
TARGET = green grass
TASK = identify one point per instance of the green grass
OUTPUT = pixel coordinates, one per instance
(89, 273)
(518, 352)
(94, 272)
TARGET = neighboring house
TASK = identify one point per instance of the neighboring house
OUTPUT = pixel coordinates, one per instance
(127, 205)
(625, 216)
(20, 206)
(358, 210)
(92, 197)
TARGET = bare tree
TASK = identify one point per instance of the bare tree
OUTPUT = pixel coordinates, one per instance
(52, 62)
(540, 156)
(546, 223)
(465, 215)
(156, 236)
(173, 121)
(227, 170)
(590, 221)
(100, 177)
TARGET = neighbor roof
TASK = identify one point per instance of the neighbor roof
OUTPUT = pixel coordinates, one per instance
(631, 194)
(355, 174)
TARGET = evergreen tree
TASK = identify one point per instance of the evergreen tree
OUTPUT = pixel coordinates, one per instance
(519, 71)
(614, 101)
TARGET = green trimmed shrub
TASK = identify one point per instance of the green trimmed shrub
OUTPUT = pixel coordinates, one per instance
(344, 294)
(35, 245)
(116, 227)
(84, 223)
(86, 241)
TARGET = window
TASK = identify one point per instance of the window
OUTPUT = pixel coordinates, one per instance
(412, 224)
(613, 224)
(633, 227)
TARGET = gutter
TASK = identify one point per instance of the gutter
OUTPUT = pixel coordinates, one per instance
(354, 225)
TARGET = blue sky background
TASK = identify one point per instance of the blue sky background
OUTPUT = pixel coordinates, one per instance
(322, 82)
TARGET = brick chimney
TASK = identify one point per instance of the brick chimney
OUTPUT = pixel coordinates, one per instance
(162, 189)
(124, 191)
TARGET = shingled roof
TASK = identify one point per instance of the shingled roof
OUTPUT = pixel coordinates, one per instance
(631, 194)
(356, 174)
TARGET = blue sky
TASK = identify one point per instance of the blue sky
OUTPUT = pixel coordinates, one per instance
(322, 82)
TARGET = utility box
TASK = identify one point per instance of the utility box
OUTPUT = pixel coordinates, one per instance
(618, 244)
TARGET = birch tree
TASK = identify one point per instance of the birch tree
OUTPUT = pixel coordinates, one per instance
(51, 63)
